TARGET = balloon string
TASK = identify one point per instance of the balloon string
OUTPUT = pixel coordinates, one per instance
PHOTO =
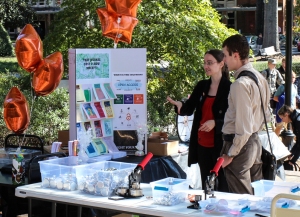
(117, 34)
(33, 97)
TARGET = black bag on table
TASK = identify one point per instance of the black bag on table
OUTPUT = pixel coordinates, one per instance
(288, 166)
(269, 163)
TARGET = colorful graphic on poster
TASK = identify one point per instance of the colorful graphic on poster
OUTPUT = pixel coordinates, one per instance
(92, 65)
(128, 98)
(125, 117)
(130, 105)
(128, 85)
(138, 99)
(119, 99)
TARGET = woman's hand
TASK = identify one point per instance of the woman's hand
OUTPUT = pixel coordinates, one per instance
(207, 126)
(176, 103)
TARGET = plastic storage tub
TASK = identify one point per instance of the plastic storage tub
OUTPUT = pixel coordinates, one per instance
(266, 188)
(169, 191)
(60, 173)
(27, 153)
(102, 178)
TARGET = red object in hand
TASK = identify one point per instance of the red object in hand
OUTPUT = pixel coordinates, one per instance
(145, 160)
(217, 166)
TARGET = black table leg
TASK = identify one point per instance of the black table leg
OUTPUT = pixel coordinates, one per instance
(79, 211)
(53, 213)
(29, 207)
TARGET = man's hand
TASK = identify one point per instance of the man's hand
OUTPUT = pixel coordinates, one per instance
(227, 160)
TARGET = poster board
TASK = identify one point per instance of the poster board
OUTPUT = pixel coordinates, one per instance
(125, 71)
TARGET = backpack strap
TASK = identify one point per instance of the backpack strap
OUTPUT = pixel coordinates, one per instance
(268, 72)
(249, 74)
(254, 78)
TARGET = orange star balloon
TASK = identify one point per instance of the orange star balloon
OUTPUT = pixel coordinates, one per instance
(48, 74)
(116, 27)
(29, 48)
(123, 7)
(16, 111)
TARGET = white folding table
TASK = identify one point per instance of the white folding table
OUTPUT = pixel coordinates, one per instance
(143, 206)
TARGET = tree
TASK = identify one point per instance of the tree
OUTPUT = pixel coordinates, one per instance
(6, 48)
(271, 25)
(296, 28)
(175, 33)
(259, 17)
(15, 13)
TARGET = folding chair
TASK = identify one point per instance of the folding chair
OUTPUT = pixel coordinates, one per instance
(283, 212)
(27, 141)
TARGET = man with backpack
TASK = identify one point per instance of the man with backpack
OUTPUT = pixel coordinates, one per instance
(244, 118)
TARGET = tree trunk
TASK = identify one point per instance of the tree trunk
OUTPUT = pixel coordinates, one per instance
(271, 25)
(259, 17)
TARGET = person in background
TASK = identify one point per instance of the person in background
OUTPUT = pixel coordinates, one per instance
(259, 42)
(208, 102)
(297, 83)
(244, 119)
(290, 115)
(279, 97)
(273, 76)
(281, 69)
(274, 79)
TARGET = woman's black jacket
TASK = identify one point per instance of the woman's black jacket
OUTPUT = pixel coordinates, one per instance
(219, 108)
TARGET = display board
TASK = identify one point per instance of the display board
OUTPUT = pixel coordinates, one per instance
(108, 93)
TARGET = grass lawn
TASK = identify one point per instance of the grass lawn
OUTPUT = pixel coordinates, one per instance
(9, 64)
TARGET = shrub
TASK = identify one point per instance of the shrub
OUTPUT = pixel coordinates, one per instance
(6, 48)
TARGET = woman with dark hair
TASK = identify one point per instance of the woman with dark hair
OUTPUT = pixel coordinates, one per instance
(291, 115)
(209, 102)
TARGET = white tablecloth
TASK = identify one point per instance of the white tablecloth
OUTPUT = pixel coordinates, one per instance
(279, 149)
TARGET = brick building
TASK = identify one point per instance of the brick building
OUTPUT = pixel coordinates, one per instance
(241, 14)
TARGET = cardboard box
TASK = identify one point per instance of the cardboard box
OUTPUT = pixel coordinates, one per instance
(63, 137)
(162, 147)
(159, 135)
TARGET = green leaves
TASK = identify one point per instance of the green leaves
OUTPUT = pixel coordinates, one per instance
(6, 48)
(15, 13)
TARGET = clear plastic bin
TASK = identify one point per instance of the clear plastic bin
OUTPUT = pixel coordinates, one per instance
(118, 154)
(169, 191)
(266, 188)
(102, 157)
(102, 178)
(60, 173)
(27, 153)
